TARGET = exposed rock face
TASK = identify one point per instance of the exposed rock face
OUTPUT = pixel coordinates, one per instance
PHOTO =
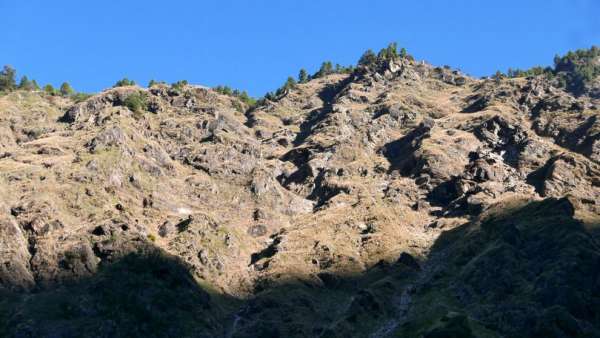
(334, 210)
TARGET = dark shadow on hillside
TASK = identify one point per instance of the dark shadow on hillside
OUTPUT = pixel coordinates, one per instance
(528, 271)
(401, 153)
(327, 95)
(537, 177)
(582, 132)
(148, 294)
(531, 271)
(153, 294)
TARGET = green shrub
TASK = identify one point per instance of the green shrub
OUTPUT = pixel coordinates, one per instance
(136, 102)
(241, 95)
(80, 97)
(247, 99)
(178, 86)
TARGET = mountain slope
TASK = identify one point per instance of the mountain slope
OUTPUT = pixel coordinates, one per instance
(400, 199)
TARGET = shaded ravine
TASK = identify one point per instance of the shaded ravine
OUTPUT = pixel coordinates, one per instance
(403, 302)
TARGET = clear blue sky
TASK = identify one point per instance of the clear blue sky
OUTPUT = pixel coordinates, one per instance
(255, 45)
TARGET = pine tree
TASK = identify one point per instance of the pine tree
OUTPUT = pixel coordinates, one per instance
(326, 69)
(289, 83)
(49, 89)
(303, 76)
(556, 60)
(66, 89)
(368, 58)
(403, 52)
(498, 76)
(25, 84)
(7, 78)
(388, 53)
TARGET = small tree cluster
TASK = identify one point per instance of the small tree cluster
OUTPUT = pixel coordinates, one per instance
(240, 94)
(179, 85)
(327, 68)
(64, 90)
(369, 58)
(124, 82)
(534, 71)
(573, 71)
(8, 83)
(153, 83)
(577, 69)
(289, 84)
(28, 85)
